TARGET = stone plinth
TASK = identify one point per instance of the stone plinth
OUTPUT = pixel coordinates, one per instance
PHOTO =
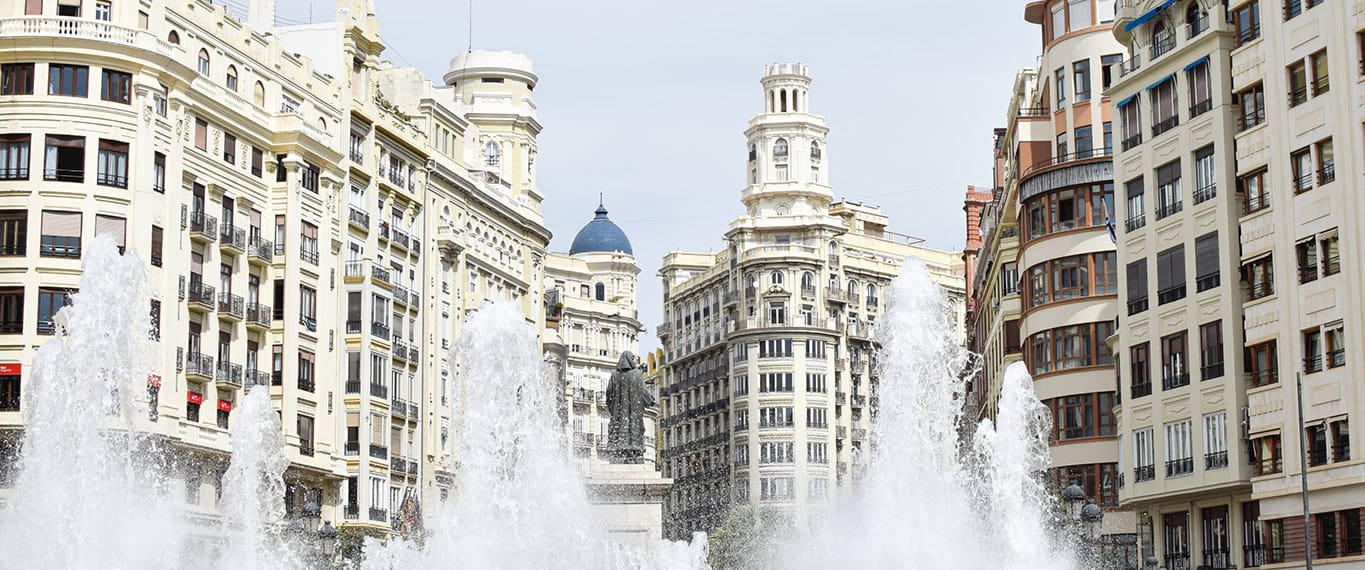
(628, 502)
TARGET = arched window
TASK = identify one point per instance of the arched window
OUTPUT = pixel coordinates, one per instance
(204, 62)
(1159, 32)
(783, 97)
(871, 291)
(173, 37)
(258, 94)
(852, 287)
(796, 100)
(600, 292)
(808, 281)
(753, 152)
(1194, 17)
(815, 151)
(492, 154)
(751, 280)
(780, 148)
(775, 277)
(231, 81)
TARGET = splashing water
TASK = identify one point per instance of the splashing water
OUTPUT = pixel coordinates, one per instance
(927, 500)
(91, 489)
(521, 502)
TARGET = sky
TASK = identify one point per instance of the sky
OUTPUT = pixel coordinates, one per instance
(646, 102)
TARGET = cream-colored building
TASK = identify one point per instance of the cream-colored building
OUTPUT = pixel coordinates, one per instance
(591, 303)
(1249, 103)
(767, 381)
(323, 220)
(1046, 281)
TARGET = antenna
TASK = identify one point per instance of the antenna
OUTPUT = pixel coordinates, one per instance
(471, 26)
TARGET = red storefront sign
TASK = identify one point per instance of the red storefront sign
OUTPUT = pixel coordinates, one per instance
(196, 398)
(225, 405)
(11, 369)
(154, 380)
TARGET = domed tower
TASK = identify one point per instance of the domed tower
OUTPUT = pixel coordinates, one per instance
(495, 88)
(601, 235)
(788, 166)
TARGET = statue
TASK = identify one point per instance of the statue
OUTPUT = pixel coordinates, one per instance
(627, 399)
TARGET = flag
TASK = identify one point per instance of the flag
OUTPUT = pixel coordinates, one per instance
(1113, 233)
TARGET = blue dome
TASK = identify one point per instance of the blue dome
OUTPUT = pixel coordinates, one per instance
(601, 235)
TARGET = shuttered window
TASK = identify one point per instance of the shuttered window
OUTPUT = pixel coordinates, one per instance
(201, 134)
(158, 239)
(114, 226)
(61, 234)
(1206, 261)
(33, 7)
(1170, 273)
(1137, 283)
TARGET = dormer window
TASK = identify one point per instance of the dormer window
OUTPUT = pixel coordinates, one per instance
(780, 149)
(492, 154)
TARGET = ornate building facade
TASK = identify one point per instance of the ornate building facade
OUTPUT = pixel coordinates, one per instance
(768, 384)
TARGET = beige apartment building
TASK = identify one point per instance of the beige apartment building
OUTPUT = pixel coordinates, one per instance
(768, 382)
(1249, 103)
(315, 222)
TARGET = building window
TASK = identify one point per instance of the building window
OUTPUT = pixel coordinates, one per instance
(1341, 448)
(65, 159)
(1137, 286)
(306, 371)
(1298, 83)
(1080, 73)
(103, 10)
(1107, 64)
(1327, 171)
(1070, 348)
(1196, 19)
(112, 168)
(1068, 209)
(1268, 460)
(1072, 278)
(61, 234)
(1060, 84)
(49, 302)
(775, 382)
(1215, 441)
(11, 313)
(777, 313)
(776, 452)
(1301, 161)
(1144, 455)
(116, 86)
(308, 308)
(114, 227)
(1140, 370)
(203, 63)
(14, 156)
(68, 80)
(229, 148)
(1320, 82)
(492, 154)
(1251, 101)
(1136, 209)
(1085, 143)
(1205, 183)
(1174, 373)
(1082, 416)
(1170, 275)
(1336, 345)
(1211, 350)
(1179, 449)
(1165, 107)
(1259, 275)
(1262, 364)
(1176, 546)
(1168, 196)
(231, 81)
(1201, 99)
(308, 242)
(1255, 193)
(1307, 252)
(158, 238)
(1058, 20)
(1248, 20)
(13, 232)
(308, 177)
(16, 79)
(775, 417)
(201, 134)
(1330, 250)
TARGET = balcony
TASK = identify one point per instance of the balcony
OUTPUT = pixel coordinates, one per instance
(1200, 108)
(1215, 460)
(414, 355)
(229, 374)
(1258, 378)
(1171, 294)
(258, 316)
(400, 349)
(232, 239)
(306, 448)
(380, 330)
(1173, 381)
(1144, 473)
(398, 464)
(309, 252)
(379, 390)
(1179, 467)
(1312, 364)
(1211, 371)
(835, 295)
(1166, 210)
(1140, 389)
(198, 365)
(203, 227)
(353, 271)
(379, 515)
(1165, 125)
(257, 378)
(259, 251)
(93, 30)
(840, 398)
(1327, 174)
(352, 449)
(231, 307)
(1162, 45)
(200, 296)
(1336, 358)
(1132, 142)
(380, 274)
(379, 451)
(309, 323)
(352, 386)
(400, 239)
(1205, 194)
(1207, 282)
(359, 218)
(1129, 66)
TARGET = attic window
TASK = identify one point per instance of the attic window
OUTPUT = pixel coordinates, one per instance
(490, 80)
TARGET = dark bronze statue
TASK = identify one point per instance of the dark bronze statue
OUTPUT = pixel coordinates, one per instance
(627, 399)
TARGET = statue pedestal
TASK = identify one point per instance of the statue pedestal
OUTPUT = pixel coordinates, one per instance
(628, 502)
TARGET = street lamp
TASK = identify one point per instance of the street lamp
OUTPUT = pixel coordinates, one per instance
(327, 536)
(1074, 497)
(1092, 517)
(1150, 563)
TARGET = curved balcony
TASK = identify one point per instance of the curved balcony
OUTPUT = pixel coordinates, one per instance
(91, 30)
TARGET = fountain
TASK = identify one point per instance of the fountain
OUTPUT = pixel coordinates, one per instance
(93, 471)
(91, 490)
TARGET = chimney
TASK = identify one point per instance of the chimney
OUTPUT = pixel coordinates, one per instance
(261, 15)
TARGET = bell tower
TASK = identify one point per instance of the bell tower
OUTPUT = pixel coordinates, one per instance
(788, 162)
